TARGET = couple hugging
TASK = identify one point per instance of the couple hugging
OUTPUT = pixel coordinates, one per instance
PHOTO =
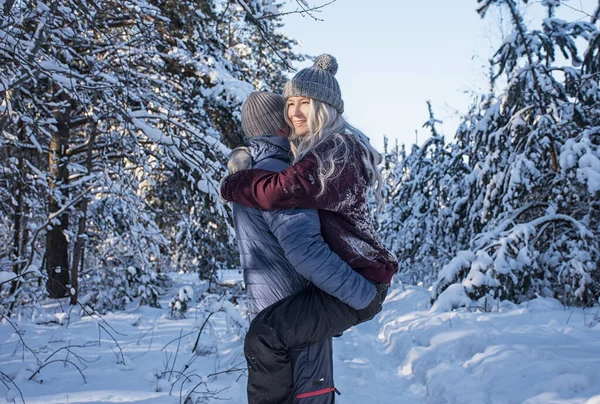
(313, 265)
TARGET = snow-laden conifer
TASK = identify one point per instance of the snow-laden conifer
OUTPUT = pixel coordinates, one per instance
(516, 193)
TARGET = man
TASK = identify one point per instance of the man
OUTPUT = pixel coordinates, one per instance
(282, 253)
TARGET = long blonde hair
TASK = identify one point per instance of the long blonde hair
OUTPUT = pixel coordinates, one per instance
(325, 123)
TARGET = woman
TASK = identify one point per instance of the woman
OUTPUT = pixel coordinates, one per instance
(334, 168)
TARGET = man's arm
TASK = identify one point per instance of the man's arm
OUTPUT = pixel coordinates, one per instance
(299, 234)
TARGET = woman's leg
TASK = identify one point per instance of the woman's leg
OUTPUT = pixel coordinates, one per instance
(300, 319)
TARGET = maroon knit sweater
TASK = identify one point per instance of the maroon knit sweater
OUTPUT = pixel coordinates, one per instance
(345, 219)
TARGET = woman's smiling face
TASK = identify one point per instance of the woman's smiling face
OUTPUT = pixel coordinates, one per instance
(297, 112)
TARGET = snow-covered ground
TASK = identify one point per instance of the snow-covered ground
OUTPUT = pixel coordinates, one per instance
(539, 352)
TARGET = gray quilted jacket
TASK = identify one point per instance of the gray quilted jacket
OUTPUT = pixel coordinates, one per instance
(281, 251)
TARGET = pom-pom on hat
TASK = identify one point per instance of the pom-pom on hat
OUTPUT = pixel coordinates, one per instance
(318, 82)
(262, 113)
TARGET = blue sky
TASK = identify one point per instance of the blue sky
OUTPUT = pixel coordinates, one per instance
(395, 55)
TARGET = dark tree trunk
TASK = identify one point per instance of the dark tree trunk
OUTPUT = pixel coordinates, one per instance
(17, 234)
(78, 252)
(57, 246)
(8, 7)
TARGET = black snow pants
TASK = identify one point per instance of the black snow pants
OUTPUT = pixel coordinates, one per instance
(312, 371)
(276, 334)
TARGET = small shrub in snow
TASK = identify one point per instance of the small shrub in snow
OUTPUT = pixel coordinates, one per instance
(112, 288)
(148, 287)
(106, 290)
(179, 303)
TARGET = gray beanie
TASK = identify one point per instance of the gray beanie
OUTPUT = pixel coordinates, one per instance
(318, 82)
(262, 113)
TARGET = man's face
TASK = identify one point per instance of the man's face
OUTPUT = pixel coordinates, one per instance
(285, 131)
(297, 110)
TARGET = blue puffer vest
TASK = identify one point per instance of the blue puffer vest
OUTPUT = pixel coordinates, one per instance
(282, 251)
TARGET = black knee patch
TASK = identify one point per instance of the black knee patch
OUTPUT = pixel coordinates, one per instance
(262, 338)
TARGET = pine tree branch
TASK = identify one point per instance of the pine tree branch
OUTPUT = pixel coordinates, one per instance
(518, 21)
(302, 10)
(262, 33)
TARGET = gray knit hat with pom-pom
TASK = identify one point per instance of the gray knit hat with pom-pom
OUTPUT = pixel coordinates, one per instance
(318, 82)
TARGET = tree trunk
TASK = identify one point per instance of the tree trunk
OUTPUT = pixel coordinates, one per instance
(18, 194)
(80, 242)
(78, 252)
(8, 7)
(57, 253)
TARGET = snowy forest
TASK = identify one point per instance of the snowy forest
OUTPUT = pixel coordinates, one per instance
(117, 118)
